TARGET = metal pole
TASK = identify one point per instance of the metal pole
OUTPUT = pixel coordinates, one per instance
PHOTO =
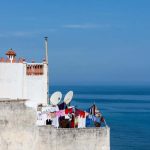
(46, 53)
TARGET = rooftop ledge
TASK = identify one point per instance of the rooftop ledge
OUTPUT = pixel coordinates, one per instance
(12, 100)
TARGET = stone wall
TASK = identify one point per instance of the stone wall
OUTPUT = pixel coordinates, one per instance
(18, 131)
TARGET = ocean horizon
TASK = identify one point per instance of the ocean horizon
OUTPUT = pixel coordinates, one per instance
(126, 110)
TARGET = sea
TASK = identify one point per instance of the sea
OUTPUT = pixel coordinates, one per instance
(126, 110)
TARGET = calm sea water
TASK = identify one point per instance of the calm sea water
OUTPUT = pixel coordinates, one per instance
(126, 110)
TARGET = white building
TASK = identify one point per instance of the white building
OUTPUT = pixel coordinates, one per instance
(22, 80)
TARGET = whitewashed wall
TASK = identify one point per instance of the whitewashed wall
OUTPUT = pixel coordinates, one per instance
(11, 80)
(14, 83)
(35, 87)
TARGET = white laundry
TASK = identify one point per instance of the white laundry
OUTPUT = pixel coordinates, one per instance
(40, 122)
(55, 122)
(50, 109)
(39, 115)
(81, 122)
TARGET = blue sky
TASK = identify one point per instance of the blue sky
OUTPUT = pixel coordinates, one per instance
(91, 42)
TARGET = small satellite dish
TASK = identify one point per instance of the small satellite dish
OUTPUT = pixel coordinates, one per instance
(56, 98)
(68, 97)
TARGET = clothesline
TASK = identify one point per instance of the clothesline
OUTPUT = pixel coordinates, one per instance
(69, 117)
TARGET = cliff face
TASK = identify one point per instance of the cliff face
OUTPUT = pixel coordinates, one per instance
(18, 131)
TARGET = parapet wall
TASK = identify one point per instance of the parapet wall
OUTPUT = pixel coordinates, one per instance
(18, 131)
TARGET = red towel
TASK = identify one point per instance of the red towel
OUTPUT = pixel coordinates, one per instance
(68, 111)
(80, 113)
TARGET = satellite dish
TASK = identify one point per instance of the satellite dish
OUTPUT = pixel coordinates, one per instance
(68, 97)
(56, 98)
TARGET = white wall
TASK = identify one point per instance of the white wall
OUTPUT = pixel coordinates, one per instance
(35, 87)
(11, 78)
(14, 83)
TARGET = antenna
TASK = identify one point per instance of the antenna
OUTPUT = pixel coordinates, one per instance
(46, 49)
(46, 53)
